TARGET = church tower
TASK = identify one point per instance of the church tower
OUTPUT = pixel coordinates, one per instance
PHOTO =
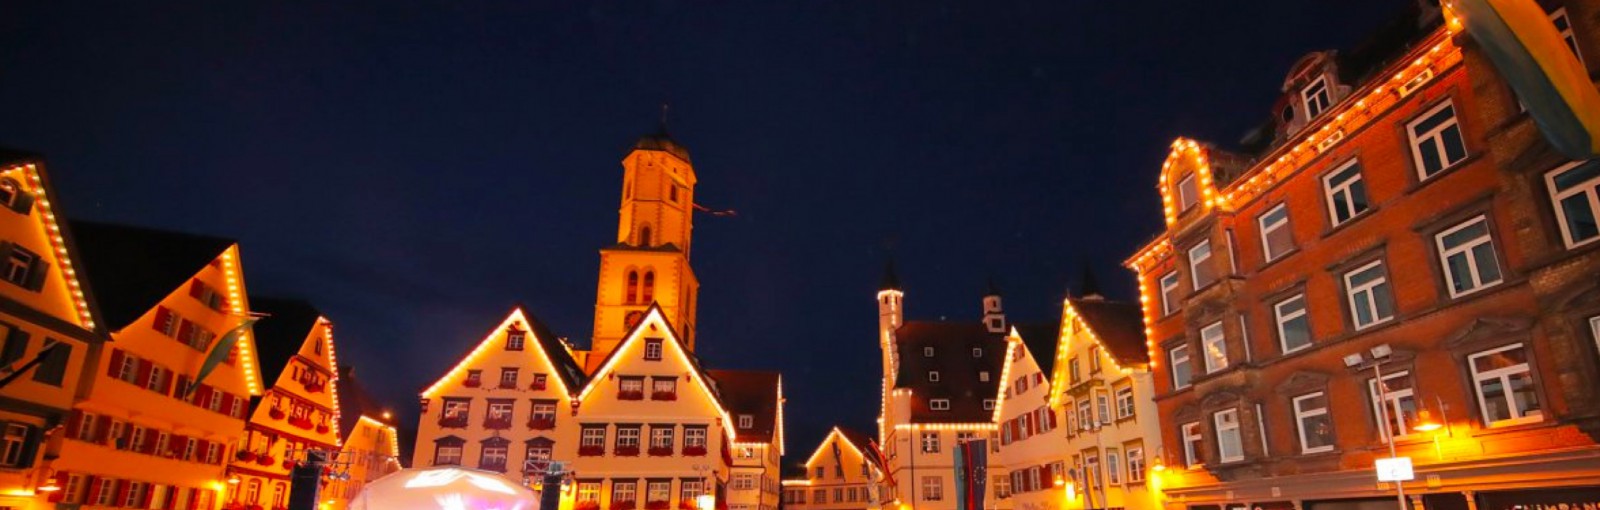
(650, 261)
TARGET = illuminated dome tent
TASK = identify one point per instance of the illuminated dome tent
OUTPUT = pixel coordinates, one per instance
(444, 488)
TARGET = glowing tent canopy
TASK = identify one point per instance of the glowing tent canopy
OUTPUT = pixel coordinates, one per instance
(444, 488)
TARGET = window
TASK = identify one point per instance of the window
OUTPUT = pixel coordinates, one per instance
(1504, 382)
(1575, 194)
(1073, 374)
(508, 378)
(1102, 406)
(474, 378)
(632, 294)
(630, 388)
(13, 443)
(661, 436)
(1368, 291)
(16, 345)
(624, 491)
(664, 388)
(1294, 330)
(1215, 346)
(647, 295)
(1436, 140)
(1135, 465)
(53, 369)
(1085, 415)
(499, 415)
(927, 352)
(493, 457)
(593, 436)
(939, 404)
(746, 421)
(652, 349)
(514, 339)
(447, 454)
(661, 490)
(1201, 273)
(1191, 444)
(588, 491)
(1276, 238)
(977, 352)
(1188, 193)
(1316, 98)
(933, 376)
(988, 404)
(627, 437)
(1347, 195)
(1113, 467)
(932, 488)
(1311, 416)
(1181, 373)
(1564, 27)
(1125, 402)
(1467, 255)
(1594, 331)
(538, 382)
(1230, 445)
(983, 376)
(455, 412)
(19, 266)
(1397, 403)
(1169, 293)
(694, 437)
(1094, 359)
(930, 442)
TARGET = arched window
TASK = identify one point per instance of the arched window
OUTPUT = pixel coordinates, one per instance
(644, 237)
(649, 286)
(252, 491)
(279, 498)
(633, 288)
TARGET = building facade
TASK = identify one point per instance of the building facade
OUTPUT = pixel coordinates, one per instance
(49, 334)
(299, 410)
(755, 401)
(371, 443)
(151, 430)
(1395, 261)
(843, 473)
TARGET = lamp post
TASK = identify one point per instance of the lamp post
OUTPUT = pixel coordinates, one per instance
(1379, 355)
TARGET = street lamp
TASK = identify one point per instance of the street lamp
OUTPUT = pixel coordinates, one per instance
(1395, 469)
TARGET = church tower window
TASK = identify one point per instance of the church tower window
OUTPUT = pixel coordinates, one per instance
(649, 286)
(633, 288)
(644, 237)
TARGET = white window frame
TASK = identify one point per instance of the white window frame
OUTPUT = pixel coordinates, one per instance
(1395, 405)
(1102, 406)
(1370, 288)
(1230, 429)
(1169, 293)
(1135, 464)
(983, 376)
(977, 352)
(988, 404)
(1194, 264)
(1466, 249)
(1214, 347)
(1503, 375)
(1125, 402)
(932, 488)
(1300, 416)
(593, 436)
(1318, 100)
(927, 352)
(1594, 331)
(1282, 318)
(939, 404)
(933, 376)
(1113, 466)
(1331, 189)
(930, 442)
(1190, 432)
(1185, 201)
(1587, 188)
(1434, 139)
(1268, 228)
(746, 421)
(1566, 33)
(1085, 415)
(1174, 360)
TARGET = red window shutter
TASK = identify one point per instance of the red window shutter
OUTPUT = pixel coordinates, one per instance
(163, 315)
(145, 366)
(115, 367)
(206, 394)
(196, 289)
(166, 382)
(74, 421)
(61, 481)
(185, 330)
(149, 495)
(183, 382)
(200, 448)
(194, 499)
(227, 404)
(94, 489)
(102, 431)
(1052, 414)
(123, 486)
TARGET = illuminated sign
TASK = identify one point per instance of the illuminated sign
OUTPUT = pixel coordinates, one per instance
(1394, 469)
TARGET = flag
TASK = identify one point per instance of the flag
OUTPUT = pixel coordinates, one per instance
(1535, 60)
(720, 212)
(888, 477)
(838, 458)
(972, 460)
(219, 352)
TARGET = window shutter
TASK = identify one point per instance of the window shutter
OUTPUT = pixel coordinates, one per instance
(145, 367)
(94, 490)
(74, 421)
(1052, 414)
(24, 201)
(196, 289)
(166, 382)
(102, 431)
(201, 448)
(162, 316)
(37, 272)
(185, 331)
(227, 403)
(61, 481)
(115, 367)
(205, 395)
(123, 486)
(194, 499)
(149, 495)
(183, 382)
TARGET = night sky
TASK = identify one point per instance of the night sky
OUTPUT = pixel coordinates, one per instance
(416, 168)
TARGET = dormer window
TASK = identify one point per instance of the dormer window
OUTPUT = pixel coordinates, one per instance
(977, 352)
(652, 349)
(939, 404)
(927, 352)
(746, 421)
(474, 378)
(1188, 193)
(988, 404)
(983, 376)
(1316, 98)
(515, 339)
(933, 376)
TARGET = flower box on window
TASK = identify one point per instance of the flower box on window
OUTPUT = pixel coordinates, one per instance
(657, 505)
(288, 464)
(245, 455)
(265, 460)
(687, 504)
(300, 421)
(472, 383)
(661, 451)
(538, 385)
(322, 429)
(624, 505)
(542, 423)
(501, 424)
(630, 395)
(586, 505)
(276, 414)
(591, 451)
(664, 395)
(626, 451)
(694, 451)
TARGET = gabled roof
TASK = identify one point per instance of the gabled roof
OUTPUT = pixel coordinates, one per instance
(752, 392)
(355, 402)
(655, 314)
(134, 268)
(1041, 340)
(953, 344)
(1119, 326)
(567, 370)
(862, 442)
(281, 332)
(89, 318)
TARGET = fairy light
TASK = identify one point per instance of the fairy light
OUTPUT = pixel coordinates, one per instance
(394, 441)
(1005, 373)
(58, 244)
(246, 341)
(779, 431)
(516, 318)
(333, 382)
(978, 427)
(1069, 318)
(654, 318)
(833, 435)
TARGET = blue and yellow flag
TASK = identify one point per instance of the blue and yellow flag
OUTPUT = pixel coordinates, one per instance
(1534, 59)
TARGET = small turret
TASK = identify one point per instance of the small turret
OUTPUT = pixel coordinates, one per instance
(994, 315)
(891, 300)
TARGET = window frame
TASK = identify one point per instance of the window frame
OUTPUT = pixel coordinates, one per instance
(1330, 189)
(1266, 230)
(1382, 280)
(1135, 469)
(1194, 265)
(1173, 363)
(1280, 319)
(1394, 405)
(1219, 362)
(1567, 35)
(1300, 416)
(1467, 249)
(939, 404)
(1503, 375)
(1126, 407)
(1237, 430)
(1191, 437)
(1435, 137)
(1185, 202)
(1169, 293)
(1307, 95)
(1587, 188)
(653, 349)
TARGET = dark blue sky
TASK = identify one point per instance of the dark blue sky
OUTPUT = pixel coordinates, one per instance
(415, 168)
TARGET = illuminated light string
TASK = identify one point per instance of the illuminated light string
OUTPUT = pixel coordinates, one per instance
(1005, 373)
(246, 341)
(394, 442)
(58, 244)
(333, 385)
(779, 432)
(833, 435)
(655, 317)
(516, 317)
(948, 426)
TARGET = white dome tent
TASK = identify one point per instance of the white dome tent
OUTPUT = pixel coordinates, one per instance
(444, 488)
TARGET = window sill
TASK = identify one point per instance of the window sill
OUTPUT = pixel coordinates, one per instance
(1335, 229)
(1441, 173)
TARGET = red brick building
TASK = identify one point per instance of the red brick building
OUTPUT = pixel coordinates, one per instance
(1395, 253)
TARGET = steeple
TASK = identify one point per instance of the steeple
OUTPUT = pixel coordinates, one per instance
(891, 301)
(1088, 287)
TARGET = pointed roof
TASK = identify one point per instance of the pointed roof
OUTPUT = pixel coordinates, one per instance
(90, 318)
(1119, 327)
(355, 402)
(751, 392)
(891, 281)
(281, 332)
(952, 345)
(134, 268)
(568, 372)
(662, 141)
(1088, 286)
(862, 443)
(654, 313)
(1040, 338)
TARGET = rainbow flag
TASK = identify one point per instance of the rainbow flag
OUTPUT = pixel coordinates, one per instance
(1532, 57)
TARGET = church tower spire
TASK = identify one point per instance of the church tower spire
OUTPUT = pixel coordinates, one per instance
(650, 261)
